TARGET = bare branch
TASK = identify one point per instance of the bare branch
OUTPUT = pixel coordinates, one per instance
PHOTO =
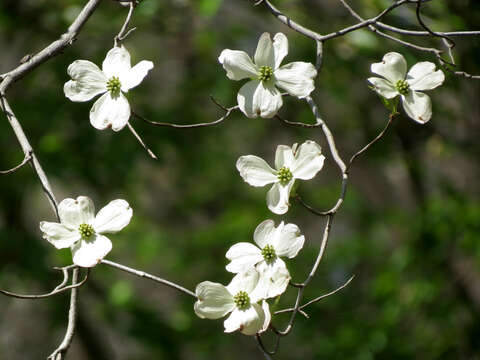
(62, 349)
(28, 151)
(123, 33)
(51, 50)
(378, 137)
(147, 149)
(341, 287)
(148, 276)
(26, 159)
(58, 289)
(189, 126)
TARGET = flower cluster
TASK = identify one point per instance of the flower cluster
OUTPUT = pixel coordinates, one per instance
(259, 268)
(260, 274)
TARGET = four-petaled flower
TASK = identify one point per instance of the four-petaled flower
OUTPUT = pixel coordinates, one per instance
(259, 96)
(396, 81)
(291, 163)
(238, 298)
(116, 77)
(82, 231)
(285, 240)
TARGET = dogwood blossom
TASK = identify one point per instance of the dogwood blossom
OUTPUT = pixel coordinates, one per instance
(273, 242)
(82, 231)
(291, 163)
(396, 81)
(259, 96)
(238, 298)
(116, 78)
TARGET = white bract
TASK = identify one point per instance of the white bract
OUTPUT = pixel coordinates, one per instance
(396, 81)
(259, 96)
(116, 77)
(82, 231)
(285, 240)
(238, 298)
(291, 163)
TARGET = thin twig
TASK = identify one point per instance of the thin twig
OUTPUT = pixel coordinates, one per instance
(123, 33)
(148, 276)
(62, 349)
(318, 298)
(58, 289)
(26, 159)
(378, 137)
(147, 149)
(321, 252)
(28, 151)
(188, 126)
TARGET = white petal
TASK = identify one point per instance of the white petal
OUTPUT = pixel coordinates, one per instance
(418, 106)
(264, 232)
(308, 161)
(110, 111)
(74, 212)
(237, 64)
(296, 78)
(284, 156)
(245, 281)
(257, 98)
(87, 81)
(249, 321)
(88, 253)
(243, 256)
(268, 316)
(255, 171)
(280, 48)
(277, 198)
(116, 63)
(135, 75)
(393, 67)
(383, 87)
(264, 55)
(59, 235)
(422, 76)
(288, 241)
(274, 279)
(214, 300)
(113, 217)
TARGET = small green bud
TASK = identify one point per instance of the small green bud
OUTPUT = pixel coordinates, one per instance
(284, 175)
(268, 253)
(266, 73)
(114, 86)
(242, 300)
(86, 230)
(403, 87)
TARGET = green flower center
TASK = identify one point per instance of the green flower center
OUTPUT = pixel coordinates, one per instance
(114, 85)
(268, 253)
(86, 230)
(284, 175)
(403, 87)
(242, 300)
(266, 73)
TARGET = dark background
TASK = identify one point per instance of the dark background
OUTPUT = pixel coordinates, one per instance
(408, 231)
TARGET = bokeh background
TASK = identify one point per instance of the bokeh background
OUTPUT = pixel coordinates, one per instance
(408, 231)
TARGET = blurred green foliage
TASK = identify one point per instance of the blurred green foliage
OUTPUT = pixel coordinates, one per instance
(408, 230)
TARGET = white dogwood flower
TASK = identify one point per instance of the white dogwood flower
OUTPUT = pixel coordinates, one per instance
(82, 231)
(238, 298)
(396, 81)
(259, 96)
(291, 163)
(273, 243)
(116, 78)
